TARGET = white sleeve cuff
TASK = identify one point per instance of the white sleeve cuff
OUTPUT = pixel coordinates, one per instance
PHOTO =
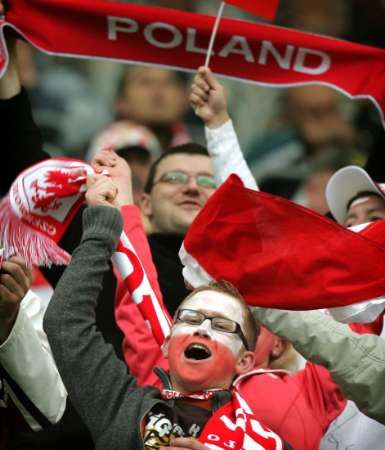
(27, 358)
(226, 155)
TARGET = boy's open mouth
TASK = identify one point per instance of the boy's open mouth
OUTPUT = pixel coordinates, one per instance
(197, 352)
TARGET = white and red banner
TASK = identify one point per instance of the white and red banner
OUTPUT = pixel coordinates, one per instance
(280, 254)
(263, 54)
(135, 279)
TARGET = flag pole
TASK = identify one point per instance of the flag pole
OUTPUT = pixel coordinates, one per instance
(214, 33)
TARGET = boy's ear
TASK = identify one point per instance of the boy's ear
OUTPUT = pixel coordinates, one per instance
(245, 362)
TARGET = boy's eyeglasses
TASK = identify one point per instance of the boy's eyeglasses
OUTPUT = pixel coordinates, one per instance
(217, 323)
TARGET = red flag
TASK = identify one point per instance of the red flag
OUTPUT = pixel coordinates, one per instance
(282, 255)
(261, 8)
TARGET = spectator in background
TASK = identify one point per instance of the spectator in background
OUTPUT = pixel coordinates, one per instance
(356, 362)
(28, 374)
(354, 199)
(136, 144)
(156, 98)
(313, 134)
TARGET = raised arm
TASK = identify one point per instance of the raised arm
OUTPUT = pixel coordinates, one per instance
(356, 362)
(21, 142)
(208, 99)
(141, 351)
(95, 378)
(26, 362)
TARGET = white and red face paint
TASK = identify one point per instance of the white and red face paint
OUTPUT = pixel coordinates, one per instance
(224, 348)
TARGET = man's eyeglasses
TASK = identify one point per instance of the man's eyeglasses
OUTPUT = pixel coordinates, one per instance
(180, 178)
(217, 323)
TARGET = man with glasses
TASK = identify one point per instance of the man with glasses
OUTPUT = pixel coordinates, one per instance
(179, 184)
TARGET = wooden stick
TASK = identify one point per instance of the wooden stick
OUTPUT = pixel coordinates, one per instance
(214, 33)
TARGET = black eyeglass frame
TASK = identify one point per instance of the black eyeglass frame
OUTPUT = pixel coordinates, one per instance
(238, 329)
(188, 177)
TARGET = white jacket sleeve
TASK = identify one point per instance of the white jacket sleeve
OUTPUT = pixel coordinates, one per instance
(226, 155)
(27, 359)
(364, 312)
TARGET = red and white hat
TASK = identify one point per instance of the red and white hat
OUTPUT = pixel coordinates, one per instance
(344, 185)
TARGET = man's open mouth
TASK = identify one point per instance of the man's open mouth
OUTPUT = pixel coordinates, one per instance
(197, 352)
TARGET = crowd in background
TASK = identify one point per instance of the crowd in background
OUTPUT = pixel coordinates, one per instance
(308, 131)
(293, 140)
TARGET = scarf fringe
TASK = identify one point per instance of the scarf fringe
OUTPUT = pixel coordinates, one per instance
(18, 238)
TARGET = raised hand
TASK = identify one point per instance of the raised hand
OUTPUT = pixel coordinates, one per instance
(101, 191)
(119, 171)
(15, 281)
(208, 99)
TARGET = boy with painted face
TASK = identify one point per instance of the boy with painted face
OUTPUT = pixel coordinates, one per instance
(207, 346)
(211, 343)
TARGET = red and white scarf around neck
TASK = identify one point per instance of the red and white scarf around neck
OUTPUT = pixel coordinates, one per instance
(264, 54)
(234, 426)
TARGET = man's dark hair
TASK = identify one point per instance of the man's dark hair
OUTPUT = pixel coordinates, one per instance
(361, 194)
(191, 148)
(135, 154)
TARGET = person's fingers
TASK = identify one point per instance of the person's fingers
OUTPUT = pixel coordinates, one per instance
(104, 186)
(96, 179)
(110, 192)
(7, 297)
(20, 261)
(202, 83)
(19, 272)
(100, 159)
(104, 158)
(195, 89)
(12, 285)
(91, 179)
(196, 101)
(211, 80)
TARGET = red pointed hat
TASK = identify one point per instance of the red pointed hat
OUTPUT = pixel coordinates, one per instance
(282, 255)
